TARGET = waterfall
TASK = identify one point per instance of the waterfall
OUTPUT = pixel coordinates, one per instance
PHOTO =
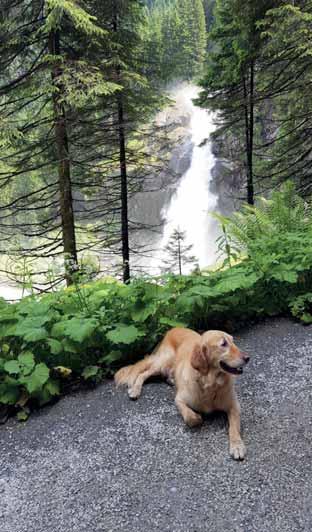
(190, 207)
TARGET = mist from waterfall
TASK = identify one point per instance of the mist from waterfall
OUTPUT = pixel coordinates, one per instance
(193, 202)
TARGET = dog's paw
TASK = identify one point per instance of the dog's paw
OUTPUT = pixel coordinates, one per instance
(134, 393)
(238, 450)
(193, 419)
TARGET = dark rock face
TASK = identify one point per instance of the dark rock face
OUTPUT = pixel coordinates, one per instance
(228, 176)
(225, 184)
(146, 206)
(181, 157)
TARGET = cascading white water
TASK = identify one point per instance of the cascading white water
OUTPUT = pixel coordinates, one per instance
(191, 206)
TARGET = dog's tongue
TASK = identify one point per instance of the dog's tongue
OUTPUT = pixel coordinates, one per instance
(229, 369)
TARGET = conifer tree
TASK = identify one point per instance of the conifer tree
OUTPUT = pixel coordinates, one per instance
(181, 50)
(42, 71)
(286, 80)
(192, 37)
(177, 253)
(230, 83)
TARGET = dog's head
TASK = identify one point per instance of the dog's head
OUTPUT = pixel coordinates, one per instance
(217, 350)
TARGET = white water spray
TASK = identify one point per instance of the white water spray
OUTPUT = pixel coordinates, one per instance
(191, 206)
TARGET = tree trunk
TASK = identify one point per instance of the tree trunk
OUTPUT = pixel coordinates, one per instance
(249, 133)
(123, 173)
(179, 257)
(65, 188)
(124, 194)
(250, 182)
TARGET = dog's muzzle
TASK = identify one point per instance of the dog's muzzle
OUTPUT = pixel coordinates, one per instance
(235, 370)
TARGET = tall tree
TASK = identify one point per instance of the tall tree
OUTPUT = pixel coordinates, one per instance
(230, 83)
(43, 73)
(286, 84)
(177, 39)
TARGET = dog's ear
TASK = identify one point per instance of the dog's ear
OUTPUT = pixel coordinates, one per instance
(200, 358)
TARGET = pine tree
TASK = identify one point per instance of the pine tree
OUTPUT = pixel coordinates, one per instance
(177, 253)
(177, 38)
(42, 71)
(286, 34)
(230, 83)
(192, 37)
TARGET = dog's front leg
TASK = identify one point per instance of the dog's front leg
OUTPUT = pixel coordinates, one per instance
(237, 446)
(191, 418)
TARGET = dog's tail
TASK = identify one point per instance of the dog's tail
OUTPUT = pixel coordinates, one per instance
(129, 374)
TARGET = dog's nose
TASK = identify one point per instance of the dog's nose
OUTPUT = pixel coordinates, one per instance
(246, 358)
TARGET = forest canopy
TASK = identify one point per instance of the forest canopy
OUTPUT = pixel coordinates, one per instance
(80, 85)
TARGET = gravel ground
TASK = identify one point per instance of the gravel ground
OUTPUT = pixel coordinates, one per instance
(98, 462)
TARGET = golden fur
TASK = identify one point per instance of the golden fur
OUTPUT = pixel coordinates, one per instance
(202, 368)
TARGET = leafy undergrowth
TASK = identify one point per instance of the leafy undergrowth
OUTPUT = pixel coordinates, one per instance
(85, 332)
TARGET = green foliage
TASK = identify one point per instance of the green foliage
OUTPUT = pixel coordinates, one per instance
(23, 376)
(57, 9)
(301, 308)
(58, 337)
(124, 334)
(285, 212)
(90, 372)
(175, 39)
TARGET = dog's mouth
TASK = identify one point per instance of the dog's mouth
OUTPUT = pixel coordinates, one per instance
(230, 369)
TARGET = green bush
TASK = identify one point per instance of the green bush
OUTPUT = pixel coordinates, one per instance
(301, 308)
(85, 332)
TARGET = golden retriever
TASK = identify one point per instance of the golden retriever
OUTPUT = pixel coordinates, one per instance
(202, 368)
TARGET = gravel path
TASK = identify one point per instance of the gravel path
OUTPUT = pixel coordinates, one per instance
(99, 462)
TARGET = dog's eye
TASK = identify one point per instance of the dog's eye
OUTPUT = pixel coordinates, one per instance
(224, 343)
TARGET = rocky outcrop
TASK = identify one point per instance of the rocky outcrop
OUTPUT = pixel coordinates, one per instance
(228, 176)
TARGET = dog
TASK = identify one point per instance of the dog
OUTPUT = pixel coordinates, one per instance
(203, 369)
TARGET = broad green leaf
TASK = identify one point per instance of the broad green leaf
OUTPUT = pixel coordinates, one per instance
(124, 334)
(29, 323)
(55, 346)
(288, 276)
(35, 381)
(90, 371)
(35, 335)
(58, 329)
(79, 329)
(53, 387)
(306, 318)
(141, 314)
(70, 346)
(34, 308)
(7, 328)
(99, 297)
(27, 362)
(12, 367)
(9, 392)
(31, 328)
(111, 357)
(172, 322)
